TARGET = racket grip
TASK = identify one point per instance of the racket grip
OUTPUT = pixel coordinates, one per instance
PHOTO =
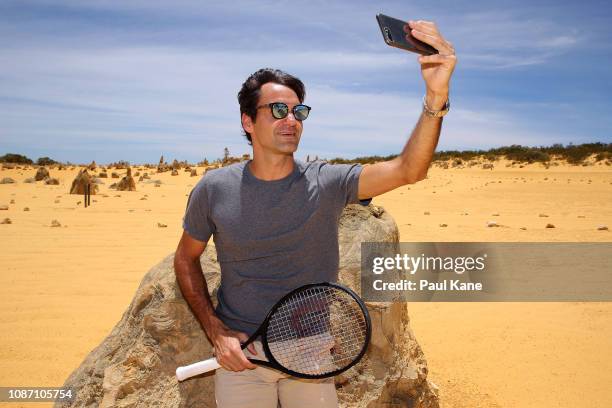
(201, 367)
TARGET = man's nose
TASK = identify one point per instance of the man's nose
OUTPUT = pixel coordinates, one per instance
(291, 117)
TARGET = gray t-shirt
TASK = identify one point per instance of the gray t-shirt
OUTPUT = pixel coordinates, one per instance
(271, 236)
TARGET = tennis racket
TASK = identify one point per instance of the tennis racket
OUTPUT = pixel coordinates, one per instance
(315, 331)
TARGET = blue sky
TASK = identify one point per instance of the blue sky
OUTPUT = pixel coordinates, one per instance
(131, 80)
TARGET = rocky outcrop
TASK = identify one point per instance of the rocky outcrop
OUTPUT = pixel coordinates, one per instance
(135, 365)
(127, 183)
(41, 174)
(80, 182)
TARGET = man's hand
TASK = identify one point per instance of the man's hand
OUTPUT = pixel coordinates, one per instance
(436, 69)
(227, 347)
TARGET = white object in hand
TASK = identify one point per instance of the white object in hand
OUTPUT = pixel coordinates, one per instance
(201, 367)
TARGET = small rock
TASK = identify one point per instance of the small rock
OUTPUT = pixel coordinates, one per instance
(6, 221)
(26, 208)
(79, 202)
(56, 201)
(7, 180)
(524, 228)
(443, 225)
(581, 216)
(492, 224)
(3, 207)
(12, 201)
(602, 228)
(55, 223)
(143, 198)
(550, 226)
(426, 213)
(543, 216)
(495, 215)
(160, 225)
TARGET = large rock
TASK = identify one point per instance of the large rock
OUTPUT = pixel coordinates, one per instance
(41, 174)
(80, 182)
(135, 365)
(127, 183)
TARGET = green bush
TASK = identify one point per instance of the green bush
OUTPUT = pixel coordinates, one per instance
(15, 158)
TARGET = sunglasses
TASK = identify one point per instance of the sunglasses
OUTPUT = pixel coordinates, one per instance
(280, 110)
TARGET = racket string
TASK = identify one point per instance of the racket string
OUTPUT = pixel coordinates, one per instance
(317, 331)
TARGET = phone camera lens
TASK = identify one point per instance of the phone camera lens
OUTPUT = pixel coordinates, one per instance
(388, 36)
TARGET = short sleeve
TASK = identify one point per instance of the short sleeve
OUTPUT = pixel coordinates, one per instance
(196, 221)
(346, 177)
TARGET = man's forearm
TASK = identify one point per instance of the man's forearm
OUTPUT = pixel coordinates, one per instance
(195, 291)
(419, 149)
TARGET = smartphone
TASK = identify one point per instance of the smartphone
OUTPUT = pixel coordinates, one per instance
(394, 35)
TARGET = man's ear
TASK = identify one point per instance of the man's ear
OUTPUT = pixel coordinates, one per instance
(247, 123)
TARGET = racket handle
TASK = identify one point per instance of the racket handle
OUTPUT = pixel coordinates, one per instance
(201, 367)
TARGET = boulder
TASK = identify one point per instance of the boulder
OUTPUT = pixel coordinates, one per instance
(41, 174)
(52, 181)
(80, 183)
(135, 365)
(127, 183)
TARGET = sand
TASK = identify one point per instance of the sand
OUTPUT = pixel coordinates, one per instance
(62, 289)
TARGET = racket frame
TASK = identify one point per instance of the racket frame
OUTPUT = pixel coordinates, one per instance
(273, 363)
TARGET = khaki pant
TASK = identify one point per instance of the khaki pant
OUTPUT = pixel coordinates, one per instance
(268, 388)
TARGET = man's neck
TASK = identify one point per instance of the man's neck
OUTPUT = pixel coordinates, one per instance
(271, 167)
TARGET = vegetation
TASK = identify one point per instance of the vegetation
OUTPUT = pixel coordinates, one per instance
(15, 158)
(573, 154)
(45, 161)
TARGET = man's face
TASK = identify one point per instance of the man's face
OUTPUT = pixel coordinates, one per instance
(280, 136)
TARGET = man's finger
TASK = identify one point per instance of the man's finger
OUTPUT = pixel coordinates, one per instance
(243, 337)
(422, 26)
(435, 59)
(251, 348)
(435, 41)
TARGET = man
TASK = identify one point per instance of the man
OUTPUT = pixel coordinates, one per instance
(275, 223)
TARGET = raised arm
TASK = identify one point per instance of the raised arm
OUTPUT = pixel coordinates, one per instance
(413, 162)
(191, 280)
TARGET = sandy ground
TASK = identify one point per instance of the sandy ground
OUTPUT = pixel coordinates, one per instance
(62, 289)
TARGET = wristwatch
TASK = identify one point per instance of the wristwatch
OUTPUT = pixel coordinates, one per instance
(436, 113)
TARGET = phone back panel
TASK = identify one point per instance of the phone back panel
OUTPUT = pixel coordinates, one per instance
(394, 35)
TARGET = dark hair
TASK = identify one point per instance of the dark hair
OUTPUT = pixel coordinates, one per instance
(248, 97)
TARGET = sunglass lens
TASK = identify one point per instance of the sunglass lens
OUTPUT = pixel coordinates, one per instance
(280, 110)
(301, 112)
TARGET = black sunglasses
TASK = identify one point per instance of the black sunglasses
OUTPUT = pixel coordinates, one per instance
(280, 110)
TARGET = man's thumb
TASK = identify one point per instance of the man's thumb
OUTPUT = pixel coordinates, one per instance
(243, 337)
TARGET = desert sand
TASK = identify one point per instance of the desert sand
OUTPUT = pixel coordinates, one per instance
(63, 288)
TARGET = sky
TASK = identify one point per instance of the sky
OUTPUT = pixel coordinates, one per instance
(133, 80)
